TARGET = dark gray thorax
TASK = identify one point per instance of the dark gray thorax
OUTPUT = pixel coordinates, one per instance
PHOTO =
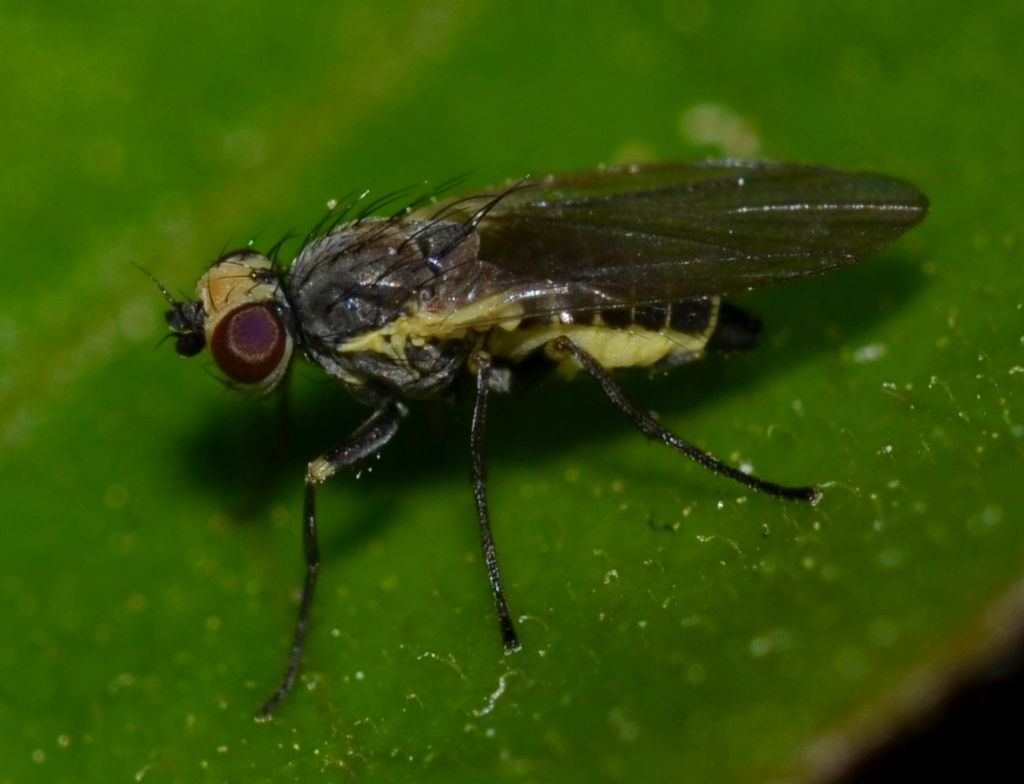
(365, 275)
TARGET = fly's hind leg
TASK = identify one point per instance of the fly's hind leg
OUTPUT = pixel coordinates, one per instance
(364, 442)
(650, 428)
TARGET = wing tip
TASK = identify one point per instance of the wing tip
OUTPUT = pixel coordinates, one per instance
(903, 199)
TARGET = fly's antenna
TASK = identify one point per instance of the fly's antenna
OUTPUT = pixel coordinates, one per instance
(167, 295)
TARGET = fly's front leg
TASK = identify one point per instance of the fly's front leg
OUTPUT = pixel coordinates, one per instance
(366, 441)
(479, 469)
(650, 428)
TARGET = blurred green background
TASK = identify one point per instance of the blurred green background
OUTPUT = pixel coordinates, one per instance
(675, 627)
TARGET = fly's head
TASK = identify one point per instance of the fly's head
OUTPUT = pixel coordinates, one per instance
(242, 314)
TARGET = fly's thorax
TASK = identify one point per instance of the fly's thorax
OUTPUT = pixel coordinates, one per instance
(246, 320)
(351, 287)
(366, 274)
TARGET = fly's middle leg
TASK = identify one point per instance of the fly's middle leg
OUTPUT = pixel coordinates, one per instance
(364, 442)
(485, 371)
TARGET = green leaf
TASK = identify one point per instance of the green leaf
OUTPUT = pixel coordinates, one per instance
(674, 626)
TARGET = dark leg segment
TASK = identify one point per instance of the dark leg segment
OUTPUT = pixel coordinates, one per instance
(476, 443)
(650, 428)
(365, 442)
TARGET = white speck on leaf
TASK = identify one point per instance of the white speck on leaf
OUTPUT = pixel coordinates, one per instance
(493, 698)
(870, 353)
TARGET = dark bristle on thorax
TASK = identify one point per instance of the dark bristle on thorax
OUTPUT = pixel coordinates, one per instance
(735, 330)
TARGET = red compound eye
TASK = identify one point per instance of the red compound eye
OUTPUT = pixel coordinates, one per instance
(248, 343)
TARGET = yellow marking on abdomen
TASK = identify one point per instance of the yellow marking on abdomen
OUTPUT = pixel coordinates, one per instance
(612, 347)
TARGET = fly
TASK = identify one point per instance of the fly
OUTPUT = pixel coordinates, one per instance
(592, 271)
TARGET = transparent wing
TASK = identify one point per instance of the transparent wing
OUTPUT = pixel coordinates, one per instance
(669, 232)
